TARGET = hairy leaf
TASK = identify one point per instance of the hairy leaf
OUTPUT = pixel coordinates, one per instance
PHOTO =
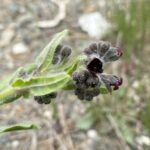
(18, 127)
(9, 95)
(70, 69)
(43, 90)
(39, 81)
(45, 58)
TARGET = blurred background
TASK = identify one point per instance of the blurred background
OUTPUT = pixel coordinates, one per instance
(120, 121)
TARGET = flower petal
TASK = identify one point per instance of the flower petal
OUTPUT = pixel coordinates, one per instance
(91, 49)
(111, 81)
(103, 47)
(95, 65)
(113, 54)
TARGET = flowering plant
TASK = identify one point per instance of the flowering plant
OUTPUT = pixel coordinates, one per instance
(53, 71)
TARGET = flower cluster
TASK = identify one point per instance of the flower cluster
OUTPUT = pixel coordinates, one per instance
(45, 99)
(62, 52)
(87, 85)
(88, 81)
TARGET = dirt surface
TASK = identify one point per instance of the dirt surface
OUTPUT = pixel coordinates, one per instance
(21, 39)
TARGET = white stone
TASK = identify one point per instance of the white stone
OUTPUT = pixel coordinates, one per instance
(19, 48)
(92, 134)
(143, 140)
(15, 144)
(94, 24)
(136, 84)
(47, 114)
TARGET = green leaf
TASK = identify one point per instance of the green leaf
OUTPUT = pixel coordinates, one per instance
(28, 69)
(45, 58)
(55, 86)
(5, 83)
(69, 86)
(79, 60)
(39, 81)
(70, 69)
(103, 90)
(18, 127)
(146, 116)
(9, 95)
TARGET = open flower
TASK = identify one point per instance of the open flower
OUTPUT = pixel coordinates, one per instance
(88, 80)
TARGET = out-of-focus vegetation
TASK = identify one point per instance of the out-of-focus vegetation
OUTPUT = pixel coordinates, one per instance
(132, 22)
(122, 118)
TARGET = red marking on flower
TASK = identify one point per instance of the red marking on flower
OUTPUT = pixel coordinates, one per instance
(117, 84)
(120, 82)
(116, 87)
(119, 51)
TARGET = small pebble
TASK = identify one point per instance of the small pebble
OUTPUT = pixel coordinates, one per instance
(19, 48)
(92, 134)
(94, 24)
(143, 140)
(15, 144)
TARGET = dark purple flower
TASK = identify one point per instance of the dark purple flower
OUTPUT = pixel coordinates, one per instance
(88, 81)
(97, 55)
(95, 65)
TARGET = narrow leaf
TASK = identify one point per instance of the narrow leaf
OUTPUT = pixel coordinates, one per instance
(79, 60)
(55, 86)
(70, 69)
(69, 86)
(45, 58)
(18, 127)
(28, 69)
(39, 81)
(9, 95)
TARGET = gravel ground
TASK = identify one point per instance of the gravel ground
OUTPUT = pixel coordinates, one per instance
(21, 39)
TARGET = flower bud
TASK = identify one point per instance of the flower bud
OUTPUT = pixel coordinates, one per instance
(79, 92)
(46, 99)
(92, 81)
(65, 51)
(38, 99)
(60, 53)
(56, 60)
(53, 95)
(92, 48)
(80, 78)
(88, 97)
(58, 48)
